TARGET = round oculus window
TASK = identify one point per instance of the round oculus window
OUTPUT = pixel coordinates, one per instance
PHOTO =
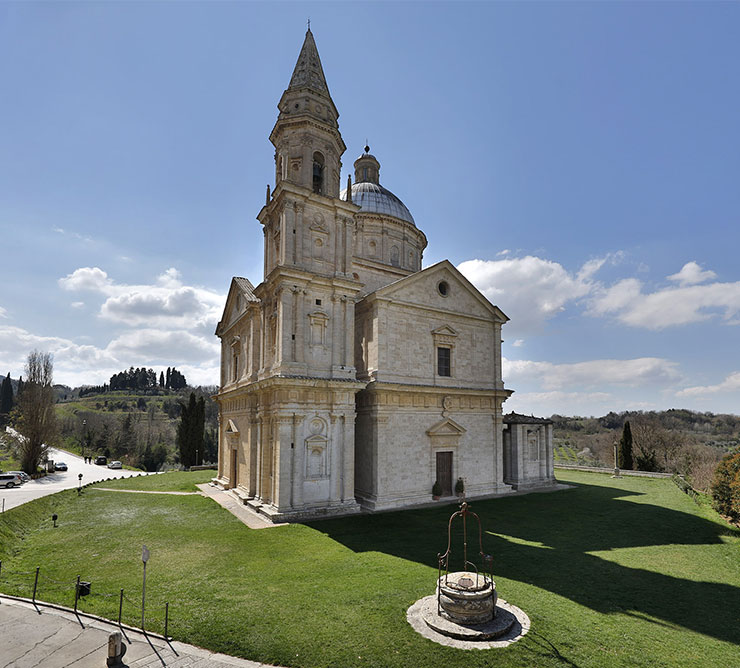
(444, 288)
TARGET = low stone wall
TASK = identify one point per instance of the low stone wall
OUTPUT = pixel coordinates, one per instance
(203, 467)
(597, 469)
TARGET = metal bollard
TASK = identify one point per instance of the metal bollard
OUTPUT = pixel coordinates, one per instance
(116, 650)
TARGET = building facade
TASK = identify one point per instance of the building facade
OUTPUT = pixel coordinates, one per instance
(351, 377)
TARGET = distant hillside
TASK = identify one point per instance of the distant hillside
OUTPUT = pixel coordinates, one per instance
(136, 427)
(683, 441)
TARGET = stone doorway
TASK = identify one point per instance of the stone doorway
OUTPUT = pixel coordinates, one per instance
(444, 472)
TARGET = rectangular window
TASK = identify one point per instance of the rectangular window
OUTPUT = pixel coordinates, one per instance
(443, 361)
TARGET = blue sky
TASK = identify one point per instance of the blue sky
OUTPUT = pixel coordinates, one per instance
(578, 161)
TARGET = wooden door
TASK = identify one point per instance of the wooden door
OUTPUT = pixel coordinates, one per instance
(444, 472)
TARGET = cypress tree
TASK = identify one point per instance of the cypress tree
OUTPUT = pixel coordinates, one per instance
(161, 378)
(625, 448)
(6, 399)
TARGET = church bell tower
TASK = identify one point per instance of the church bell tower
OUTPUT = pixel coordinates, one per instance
(288, 409)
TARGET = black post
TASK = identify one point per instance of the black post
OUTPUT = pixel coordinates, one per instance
(77, 592)
(35, 584)
(166, 619)
(120, 607)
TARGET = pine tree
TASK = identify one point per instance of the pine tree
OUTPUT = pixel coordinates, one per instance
(6, 400)
(625, 448)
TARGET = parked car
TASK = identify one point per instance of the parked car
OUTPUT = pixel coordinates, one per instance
(10, 480)
(22, 475)
(115, 465)
(100, 459)
(60, 466)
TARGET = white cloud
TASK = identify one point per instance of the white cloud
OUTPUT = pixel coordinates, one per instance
(530, 290)
(167, 303)
(93, 279)
(544, 404)
(162, 347)
(3, 313)
(691, 274)
(77, 304)
(669, 306)
(518, 343)
(606, 372)
(76, 364)
(730, 384)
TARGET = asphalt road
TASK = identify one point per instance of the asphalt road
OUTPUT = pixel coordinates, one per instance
(59, 480)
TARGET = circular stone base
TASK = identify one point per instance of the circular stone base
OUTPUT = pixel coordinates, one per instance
(509, 624)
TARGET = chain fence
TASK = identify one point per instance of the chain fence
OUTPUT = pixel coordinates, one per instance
(84, 597)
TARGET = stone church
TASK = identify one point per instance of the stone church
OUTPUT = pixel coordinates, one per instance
(351, 378)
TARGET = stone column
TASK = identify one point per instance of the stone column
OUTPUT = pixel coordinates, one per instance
(281, 474)
(282, 328)
(299, 233)
(335, 331)
(336, 445)
(298, 465)
(258, 472)
(349, 332)
(348, 476)
(253, 435)
(221, 441)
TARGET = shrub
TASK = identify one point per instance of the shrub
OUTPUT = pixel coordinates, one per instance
(726, 486)
(436, 489)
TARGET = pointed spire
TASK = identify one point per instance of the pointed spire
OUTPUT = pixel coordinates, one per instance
(308, 72)
(349, 187)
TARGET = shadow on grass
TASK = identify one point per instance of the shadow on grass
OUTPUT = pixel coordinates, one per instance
(545, 539)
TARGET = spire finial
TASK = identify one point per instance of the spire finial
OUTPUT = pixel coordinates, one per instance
(367, 146)
(308, 22)
(349, 187)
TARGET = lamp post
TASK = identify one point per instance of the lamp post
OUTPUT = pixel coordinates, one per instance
(84, 433)
(196, 456)
(144, 559)
(79, 484)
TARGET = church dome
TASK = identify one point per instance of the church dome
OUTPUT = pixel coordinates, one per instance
(374, 198)
(369, 195)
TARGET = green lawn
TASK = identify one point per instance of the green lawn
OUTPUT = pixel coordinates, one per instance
(172, 481)
(626, 572)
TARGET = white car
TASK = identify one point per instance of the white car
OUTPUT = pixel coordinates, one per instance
(22, 475)
(10, 480)
(115, 465)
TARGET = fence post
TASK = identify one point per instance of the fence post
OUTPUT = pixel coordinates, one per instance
(120, 608)
(35, 584)
(166, 619)
(77, 592)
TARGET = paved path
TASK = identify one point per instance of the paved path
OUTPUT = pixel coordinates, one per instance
(50, 638)
(59, 480)
(243, 513)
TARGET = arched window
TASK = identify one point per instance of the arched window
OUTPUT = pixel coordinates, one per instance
(394, 256)
(318, 173)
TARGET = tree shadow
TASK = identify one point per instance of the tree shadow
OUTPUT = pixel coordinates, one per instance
(545, 540)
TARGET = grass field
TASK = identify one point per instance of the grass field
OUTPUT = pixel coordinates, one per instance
(171, 481)
(627, 572)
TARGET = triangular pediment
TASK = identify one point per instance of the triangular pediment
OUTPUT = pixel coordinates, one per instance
(446, 427)
(445, 330)
(442, 271)
(241, 295)
(231, 428)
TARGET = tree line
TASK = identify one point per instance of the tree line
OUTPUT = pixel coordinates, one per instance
(139, 379)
